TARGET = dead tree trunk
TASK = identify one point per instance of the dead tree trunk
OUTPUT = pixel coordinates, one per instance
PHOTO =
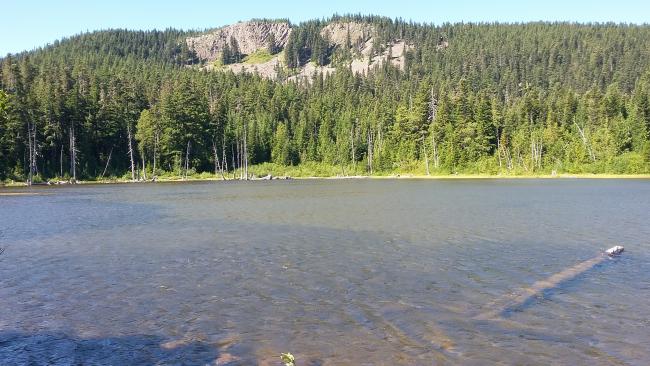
(30, 176)
(187, 159)
(245, 153)
(232, 155)
(499, 148)
(107, 162)
(155, 152)
(73, 156)
(224, 164)
(426, 156)
(218, 166)
(144, 168)
(436, 153)
(240, 149)
(370, 149)
(354, 158)
(503, 150)
(585, 142)
(433, 110)
(130, 144)
(507, 156)
(536, 152)
(216, 159)
(61, 162)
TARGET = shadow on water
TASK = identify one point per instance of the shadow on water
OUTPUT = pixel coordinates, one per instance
(54, 348)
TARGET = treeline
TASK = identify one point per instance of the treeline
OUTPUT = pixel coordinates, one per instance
(523, 98)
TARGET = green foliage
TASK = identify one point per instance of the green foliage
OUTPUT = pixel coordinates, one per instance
(7, 123)
(282, 151)
(501, 99)
(272, 46)
(218, 63)
(231, 53)
(306, 44)
(147, 130)
(258, 57)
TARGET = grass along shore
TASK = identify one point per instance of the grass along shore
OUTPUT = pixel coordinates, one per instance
(322, 171)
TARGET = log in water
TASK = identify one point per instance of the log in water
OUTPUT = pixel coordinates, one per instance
(521, 296)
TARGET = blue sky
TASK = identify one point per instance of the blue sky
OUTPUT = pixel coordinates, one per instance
(28, 24)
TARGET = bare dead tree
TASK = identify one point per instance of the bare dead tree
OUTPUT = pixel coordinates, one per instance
(130, 144)
(521, 160)
(73, 155)
(245, 152)
(433, 111)
(61, 162)
(218, 166)
(585, 141)
(144, 168)
(31, 137)
(352, 133)
(108, 161)
(499, 147)
(232, 155)
(216, 159)
(223, 153)
(187, 159)
(155, 152)
(536, 151)
(504, 152)
(370, 149)
(239, 157)
(426, 156)
(378, 145)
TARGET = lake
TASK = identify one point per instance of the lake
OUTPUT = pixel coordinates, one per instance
(337, 272)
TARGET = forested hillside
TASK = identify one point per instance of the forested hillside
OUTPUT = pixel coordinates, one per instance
(473, 98)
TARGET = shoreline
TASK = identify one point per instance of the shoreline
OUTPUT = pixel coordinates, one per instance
(489, 176)
(387, 177)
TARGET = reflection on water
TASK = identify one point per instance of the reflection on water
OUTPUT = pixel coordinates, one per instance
(358, 272)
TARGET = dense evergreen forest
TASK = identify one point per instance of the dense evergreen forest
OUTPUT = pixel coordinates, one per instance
(498, 98)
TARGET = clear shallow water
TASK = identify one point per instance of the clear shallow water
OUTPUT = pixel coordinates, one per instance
(362, 272)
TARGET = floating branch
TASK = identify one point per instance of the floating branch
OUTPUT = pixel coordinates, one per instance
(521, 296)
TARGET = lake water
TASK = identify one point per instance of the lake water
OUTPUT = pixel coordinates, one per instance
(337, 272)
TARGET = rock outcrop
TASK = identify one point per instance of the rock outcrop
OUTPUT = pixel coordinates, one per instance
(255, 35)
(251, 36)
(338, 32)
(267, 69)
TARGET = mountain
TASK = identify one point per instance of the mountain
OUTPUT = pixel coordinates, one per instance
(345, 95)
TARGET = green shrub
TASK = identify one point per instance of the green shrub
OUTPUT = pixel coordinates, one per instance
(629, 163)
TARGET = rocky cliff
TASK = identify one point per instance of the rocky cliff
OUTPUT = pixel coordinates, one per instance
(253, 36)
(250, 36)
(339, 32)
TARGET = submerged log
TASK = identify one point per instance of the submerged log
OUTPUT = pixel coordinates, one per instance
(522, 296)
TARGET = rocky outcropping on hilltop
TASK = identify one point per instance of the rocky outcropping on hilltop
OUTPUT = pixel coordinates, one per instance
(251, 36)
